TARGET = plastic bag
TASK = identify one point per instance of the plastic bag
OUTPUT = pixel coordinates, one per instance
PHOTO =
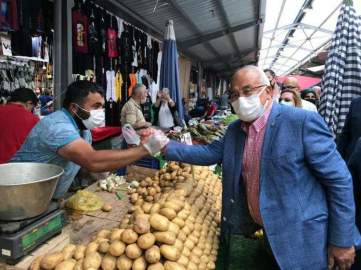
(130, 136)
(84, 200)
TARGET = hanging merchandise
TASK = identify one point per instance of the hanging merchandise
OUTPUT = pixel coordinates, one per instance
(9, 15)
(118, 86)
(93, 37)
(159, 62)
(80, 31)
(112, 43)
(133, 81)
(134, 50)
(110, 93)
(126, 46)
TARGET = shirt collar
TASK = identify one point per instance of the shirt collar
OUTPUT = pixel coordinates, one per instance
(70, 117)
(261, 122)
(135, 103)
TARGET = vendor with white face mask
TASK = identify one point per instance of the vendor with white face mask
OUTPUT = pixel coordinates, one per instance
(64, 139)
(164, 108)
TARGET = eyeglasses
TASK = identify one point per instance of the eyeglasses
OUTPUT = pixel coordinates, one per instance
(247, 91)
(289, 87)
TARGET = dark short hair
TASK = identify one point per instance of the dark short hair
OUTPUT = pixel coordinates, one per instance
(79, 90)
(23, 95)
(270, 71)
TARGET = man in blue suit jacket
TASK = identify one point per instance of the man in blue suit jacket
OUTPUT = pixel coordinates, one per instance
(351, 131)
(306, 203)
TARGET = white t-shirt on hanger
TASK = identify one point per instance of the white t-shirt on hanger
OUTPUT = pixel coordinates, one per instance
(159, 61)
(111, 92)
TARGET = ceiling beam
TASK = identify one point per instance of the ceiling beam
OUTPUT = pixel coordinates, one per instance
(217, 34)
(228, 24)
(296, 25)
(233, 69)
(286, 45)
(228, 57)
(195, 27)
(278, 56)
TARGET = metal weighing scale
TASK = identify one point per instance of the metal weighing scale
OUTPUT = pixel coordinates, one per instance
(18, 238)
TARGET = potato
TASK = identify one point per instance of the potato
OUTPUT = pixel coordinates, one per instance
(107, 207)
(170, 252)
(124, 263)
(91, 247)
(192, 266)
(174, 228)
(186, 252)
(173, 206)
(139, 202)
(103, 247)
(117, 248)
(168, 213)
(103, 234)
(79, 253)
(202, 266)
(131, 191)
(156, 266)
(165, 237)
(146, 207)
(79, 265)
(35, 265)
(147, 240)
(50, 261)
(159, 223)
(92, 260)
(141, 226)
(173, 266)
(155, 208)
(68, 251)
(180, 222)
(194, 258)
(197, 251)
(189, 244)
(152, 255)
(179, 245)
(109, 262)
(139, 264)
(143, 216)
(182, 236)
(133, 251)
(184, 261)
(129, 236)
(66, 265)
(115, 234)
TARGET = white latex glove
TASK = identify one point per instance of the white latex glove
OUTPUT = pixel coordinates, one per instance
(156, 142)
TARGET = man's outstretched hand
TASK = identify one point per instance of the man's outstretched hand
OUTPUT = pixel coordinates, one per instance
(153, 140)
(341, 256)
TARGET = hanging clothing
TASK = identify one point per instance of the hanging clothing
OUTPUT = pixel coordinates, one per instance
(111, 92)
(159, 62)
(103, 31)
(133, 81)
(118, 86)
(36, 46)
(9, 15)
(135, 54)
(155, 52)
(153, 91)
(139, 77)
(126, 48)
(120, 27)
(80, 32)
(93, 37)
(112, 43)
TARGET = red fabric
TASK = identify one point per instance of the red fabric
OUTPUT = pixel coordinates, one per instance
(112, 43)
(251, 162)
(80, 32)
(303, 81)
(211, 109)
(12, 15)
(15, 125)
(105, 132)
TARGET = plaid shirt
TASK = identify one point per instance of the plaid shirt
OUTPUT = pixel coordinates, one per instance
(251, 162)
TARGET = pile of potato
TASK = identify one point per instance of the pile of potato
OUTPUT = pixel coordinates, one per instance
(178, 229)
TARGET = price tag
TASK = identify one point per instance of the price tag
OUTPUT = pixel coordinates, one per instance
(186, 138)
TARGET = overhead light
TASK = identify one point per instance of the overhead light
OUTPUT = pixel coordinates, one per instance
(308, 9)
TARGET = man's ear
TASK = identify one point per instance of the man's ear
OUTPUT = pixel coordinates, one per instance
(269, 90)
(73, 107)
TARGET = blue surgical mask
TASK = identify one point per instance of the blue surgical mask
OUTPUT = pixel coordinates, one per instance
(287, 103)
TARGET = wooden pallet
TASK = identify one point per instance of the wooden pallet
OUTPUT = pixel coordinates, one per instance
(52, 245)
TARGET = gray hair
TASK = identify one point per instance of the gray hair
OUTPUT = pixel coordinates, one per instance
(137, 89)
(262, 75)
(166, 90)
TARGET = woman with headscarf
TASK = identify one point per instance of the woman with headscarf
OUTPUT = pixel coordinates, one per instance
(310, 95)
(164, 109)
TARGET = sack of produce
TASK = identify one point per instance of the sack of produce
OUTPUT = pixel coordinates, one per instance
(84, 200)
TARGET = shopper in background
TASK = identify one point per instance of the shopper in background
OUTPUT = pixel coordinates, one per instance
(46, 106)
(164, 109)
(276, 91)
(210, 110)
(16, 121)
(132, 112)
(185, 104)
(292, 83)
(318, 92)
(224, 101)
(281, 172)
(310, 95)
(351, 131)
(291, 97)
(64, 139)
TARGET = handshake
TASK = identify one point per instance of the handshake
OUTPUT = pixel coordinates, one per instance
(153, 140)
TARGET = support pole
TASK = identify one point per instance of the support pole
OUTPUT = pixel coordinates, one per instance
(63, 57)
(200, 76)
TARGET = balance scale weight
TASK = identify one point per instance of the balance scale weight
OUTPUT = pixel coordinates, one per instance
(18, 238)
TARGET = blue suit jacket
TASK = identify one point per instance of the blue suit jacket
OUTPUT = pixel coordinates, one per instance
(306, 196)
(351, 131)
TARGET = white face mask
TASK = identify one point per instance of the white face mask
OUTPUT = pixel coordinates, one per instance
(287, 103)
(95, 120)
(250, 108)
